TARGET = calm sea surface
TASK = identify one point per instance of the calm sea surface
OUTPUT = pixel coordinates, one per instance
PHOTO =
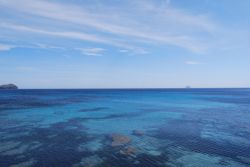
(125, 128)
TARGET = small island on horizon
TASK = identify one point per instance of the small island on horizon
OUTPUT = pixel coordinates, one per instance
(8, 86)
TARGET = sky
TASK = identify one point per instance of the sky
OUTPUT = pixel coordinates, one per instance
(124, 43)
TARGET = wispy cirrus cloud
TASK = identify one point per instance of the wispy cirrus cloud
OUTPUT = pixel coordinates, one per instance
(63, 34)
(5, 47)
(123, 51)
(192, 62)
(141, 22)
(92, 51)
(75, 35)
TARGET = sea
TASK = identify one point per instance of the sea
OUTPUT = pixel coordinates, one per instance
(125, 128)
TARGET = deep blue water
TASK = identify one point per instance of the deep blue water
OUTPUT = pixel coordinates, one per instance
(155, 127)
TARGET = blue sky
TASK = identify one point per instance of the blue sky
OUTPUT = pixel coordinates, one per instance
(124, 43)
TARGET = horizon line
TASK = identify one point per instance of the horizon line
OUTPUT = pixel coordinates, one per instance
(134, 88)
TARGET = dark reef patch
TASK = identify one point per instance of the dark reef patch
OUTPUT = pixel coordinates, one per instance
(93, 109)
(29, 102)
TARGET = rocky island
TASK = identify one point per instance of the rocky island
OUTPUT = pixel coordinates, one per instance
(8, 86)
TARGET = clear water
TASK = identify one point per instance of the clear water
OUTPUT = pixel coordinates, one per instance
(177, 127)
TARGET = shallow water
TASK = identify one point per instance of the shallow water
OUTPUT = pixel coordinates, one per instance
(124, 128)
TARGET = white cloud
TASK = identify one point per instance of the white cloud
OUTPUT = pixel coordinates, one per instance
(135, 51)
(192, 62)
(45, 46)
(66, 34)
(4, 47)
(72, 35)
(123, 50)
(92, 51)
(145, 22)
(139, 51)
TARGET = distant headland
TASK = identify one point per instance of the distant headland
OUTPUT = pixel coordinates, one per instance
(8, 86)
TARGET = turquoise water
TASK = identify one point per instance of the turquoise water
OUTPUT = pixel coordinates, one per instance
(125, 128)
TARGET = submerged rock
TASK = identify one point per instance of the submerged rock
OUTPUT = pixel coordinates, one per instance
(129, 151)
(119, 140)
(8, 86)
(138, 133)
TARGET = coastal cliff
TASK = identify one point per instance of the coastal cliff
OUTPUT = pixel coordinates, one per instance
(8, 86)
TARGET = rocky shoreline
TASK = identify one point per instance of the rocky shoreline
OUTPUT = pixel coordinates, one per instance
(8, 86)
